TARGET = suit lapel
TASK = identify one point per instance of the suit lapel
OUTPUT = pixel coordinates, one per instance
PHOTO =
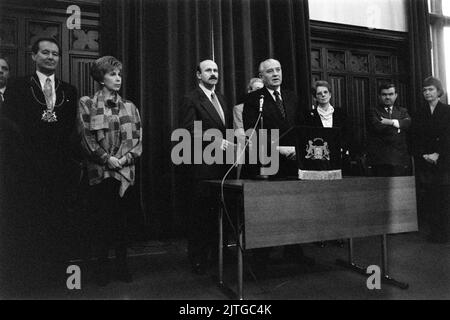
(269, 106)
(60, 96)
(224, 108)
(209, 108)
(36, 89)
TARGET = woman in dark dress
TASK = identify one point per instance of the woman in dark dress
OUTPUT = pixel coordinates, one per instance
(431, 130)
(324, 115)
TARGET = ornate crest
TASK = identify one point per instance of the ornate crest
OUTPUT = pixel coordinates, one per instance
(49, 116)
(317, 150)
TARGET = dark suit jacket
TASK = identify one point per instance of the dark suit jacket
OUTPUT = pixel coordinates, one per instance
(196, 106)
(50, 144)
(340, 120)
(385, 144)
(431, 133)
(274, 120)
(1, 102)
(271, 114)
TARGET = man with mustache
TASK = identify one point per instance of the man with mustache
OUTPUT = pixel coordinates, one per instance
(4, 75)
(387, 127)
(204, 104)
(44, 109)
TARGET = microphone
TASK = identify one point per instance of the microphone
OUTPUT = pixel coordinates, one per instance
(261, 102)
(262, 171)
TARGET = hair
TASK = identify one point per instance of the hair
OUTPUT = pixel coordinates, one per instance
(320, 83)
(386, 86)
(261, 68)
(6, 60)
(102, 66)
(432, 81)
(251, 82)
(198, 69)
(35, 45)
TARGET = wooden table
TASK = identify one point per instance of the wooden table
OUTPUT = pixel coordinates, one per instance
(276, 213)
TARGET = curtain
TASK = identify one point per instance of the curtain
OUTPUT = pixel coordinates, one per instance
(161, 42)
(420, 49)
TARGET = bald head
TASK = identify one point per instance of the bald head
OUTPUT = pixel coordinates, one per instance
(271, 74)
(208, 73)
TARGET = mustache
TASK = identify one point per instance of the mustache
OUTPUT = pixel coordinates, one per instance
(213, 78)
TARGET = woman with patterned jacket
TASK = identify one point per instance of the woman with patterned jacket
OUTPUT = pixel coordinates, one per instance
(112, 140)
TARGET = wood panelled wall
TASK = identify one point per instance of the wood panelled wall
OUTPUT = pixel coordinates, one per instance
(355, 61)
(21, 23)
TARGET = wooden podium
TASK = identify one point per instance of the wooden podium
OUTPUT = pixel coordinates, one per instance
(276, 213)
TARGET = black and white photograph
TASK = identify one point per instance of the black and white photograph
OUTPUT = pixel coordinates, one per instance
(224, 155)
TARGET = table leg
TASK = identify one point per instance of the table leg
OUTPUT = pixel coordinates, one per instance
(240, 262)
(384, 266)
(221, 246)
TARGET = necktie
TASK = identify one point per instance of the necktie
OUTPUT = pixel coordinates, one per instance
(389, 111)
(279, 103)
(48, 93)
(216, 105)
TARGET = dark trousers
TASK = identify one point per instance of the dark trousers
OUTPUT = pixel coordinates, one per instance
(110, 220)
(436, 207)
(202, 225)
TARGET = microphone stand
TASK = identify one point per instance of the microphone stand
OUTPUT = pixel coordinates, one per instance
(262, 174)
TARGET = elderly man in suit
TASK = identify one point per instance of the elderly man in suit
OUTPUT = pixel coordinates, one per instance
(280, 111)
(44, 109)
(206, 105)
(388, 125)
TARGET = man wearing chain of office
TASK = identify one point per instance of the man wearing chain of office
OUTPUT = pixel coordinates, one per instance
(44, 108)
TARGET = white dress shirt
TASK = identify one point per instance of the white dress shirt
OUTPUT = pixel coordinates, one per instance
(208, 94)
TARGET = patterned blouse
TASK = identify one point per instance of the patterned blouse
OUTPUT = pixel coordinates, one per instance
(110, 129)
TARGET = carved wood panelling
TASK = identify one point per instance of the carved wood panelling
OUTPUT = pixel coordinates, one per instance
(80, 78)
(84, 39)
(338, 90)
(354, 61)
(316, 59)
(359, 62)
(38, 29)
(358, 108)
(31, 20)
(336, 61)
(8, 32)
(383, 64)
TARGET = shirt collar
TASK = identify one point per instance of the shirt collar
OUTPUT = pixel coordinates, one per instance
(2, 90)
(42, 77)
(271, 91)
(206, 90)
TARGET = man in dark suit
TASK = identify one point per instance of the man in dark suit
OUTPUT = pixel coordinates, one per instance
(280, 111)
(4, 75)
(44, 109)
(387, 126)
(205, 105)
